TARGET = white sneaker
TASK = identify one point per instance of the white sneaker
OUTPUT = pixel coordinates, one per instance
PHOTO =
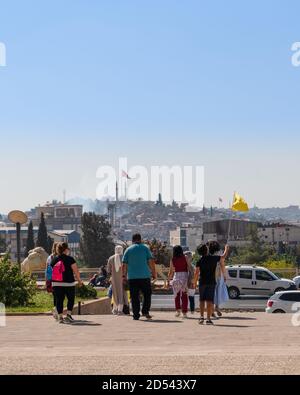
(184, 315)
(178, 312)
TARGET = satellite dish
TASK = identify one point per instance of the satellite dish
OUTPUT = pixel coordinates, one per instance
(17, 217)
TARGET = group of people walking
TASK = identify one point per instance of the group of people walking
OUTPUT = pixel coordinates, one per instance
(209, 271)
(133, 269)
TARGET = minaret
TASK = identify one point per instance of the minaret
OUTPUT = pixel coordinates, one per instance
(117, 192)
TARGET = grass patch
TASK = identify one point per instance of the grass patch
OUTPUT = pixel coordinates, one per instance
(42, 302)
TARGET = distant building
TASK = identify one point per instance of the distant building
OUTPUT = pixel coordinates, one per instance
(59, 216)
(9, 235)
(67, 236)
(277, 233)
(188, 236)
(239, 231)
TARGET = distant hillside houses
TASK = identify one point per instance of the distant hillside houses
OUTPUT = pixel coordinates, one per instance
(190, 236)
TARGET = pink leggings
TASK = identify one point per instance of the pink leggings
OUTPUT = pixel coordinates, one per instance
(181, 301)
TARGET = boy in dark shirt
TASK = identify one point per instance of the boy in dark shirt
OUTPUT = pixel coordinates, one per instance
(206, 269)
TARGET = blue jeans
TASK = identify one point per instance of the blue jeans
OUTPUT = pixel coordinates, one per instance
(192, 303)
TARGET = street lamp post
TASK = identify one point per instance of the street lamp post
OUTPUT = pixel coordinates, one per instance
(19, 218)
(18, 227)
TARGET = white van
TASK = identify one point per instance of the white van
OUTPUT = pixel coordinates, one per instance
(255, 280)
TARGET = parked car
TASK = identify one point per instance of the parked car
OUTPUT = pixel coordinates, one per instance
(255, 280)
(284, 302)
(297, 281)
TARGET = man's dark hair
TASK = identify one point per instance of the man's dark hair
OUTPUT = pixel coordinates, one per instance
(202, 250)
(213, 247)
(136, 238)
(177, 251)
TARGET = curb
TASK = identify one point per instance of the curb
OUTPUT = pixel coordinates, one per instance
(28, 314)
(49, 313)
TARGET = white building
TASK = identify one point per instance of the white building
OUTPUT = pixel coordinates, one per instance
(280, 233)
(188, 236)
(67, 236)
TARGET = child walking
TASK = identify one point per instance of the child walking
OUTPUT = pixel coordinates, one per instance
(191, 275)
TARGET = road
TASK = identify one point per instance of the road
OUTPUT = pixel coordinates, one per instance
(166, 302)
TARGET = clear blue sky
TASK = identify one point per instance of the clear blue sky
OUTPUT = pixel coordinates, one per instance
(161, 82)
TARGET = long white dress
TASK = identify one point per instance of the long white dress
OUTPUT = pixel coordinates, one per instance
(119, 294)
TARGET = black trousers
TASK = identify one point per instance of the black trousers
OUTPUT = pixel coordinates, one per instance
(60, 294)
(137, 287)
(54, 298)
(192, 303)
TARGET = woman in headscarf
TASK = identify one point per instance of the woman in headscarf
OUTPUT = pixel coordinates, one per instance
(114, 268)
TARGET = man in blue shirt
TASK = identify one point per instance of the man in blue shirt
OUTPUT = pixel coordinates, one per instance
(138, 265)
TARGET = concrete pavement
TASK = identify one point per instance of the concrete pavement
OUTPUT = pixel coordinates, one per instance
(238, 343)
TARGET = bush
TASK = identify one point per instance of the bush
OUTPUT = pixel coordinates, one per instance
(16, 288)
(86, 292)
(283, 267)
(279, 264)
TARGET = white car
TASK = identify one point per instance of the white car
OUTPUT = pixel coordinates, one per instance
(297, 281)
(255, 280)
(284, 302)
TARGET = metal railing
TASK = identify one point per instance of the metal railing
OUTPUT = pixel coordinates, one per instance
(162, 272)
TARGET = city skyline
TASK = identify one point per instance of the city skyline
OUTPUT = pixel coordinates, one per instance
(160, 83)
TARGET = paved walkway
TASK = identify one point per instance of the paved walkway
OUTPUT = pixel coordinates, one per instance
(238, 343)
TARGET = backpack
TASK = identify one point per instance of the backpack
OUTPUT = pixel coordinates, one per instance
(57, 271)
(49, 271)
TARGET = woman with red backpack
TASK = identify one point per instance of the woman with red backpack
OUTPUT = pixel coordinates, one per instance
(64, 272)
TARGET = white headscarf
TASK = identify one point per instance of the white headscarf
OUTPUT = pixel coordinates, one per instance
(117, 257)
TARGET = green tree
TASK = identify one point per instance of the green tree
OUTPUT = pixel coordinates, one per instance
(256, 252)
(3, 246)
(30, 239)
(50, 245)
(160, 251)
(96, 244)
(42, 239)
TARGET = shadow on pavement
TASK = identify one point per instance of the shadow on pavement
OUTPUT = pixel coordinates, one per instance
(231, 326)
(238, 318)
(83, 323)
(164, 321)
